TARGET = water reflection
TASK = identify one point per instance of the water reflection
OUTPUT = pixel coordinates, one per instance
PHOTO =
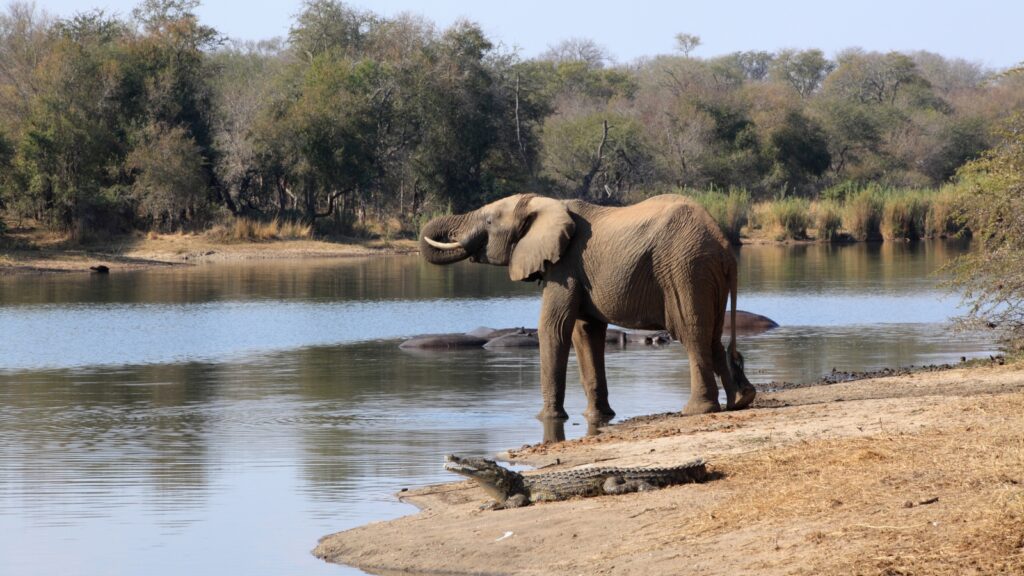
(334, 280)
(222, 419)
(864, 268)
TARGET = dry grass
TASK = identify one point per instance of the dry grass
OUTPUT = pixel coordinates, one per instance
(863, 215)
(828, 219)
(872, 497)
(790, 218)
(904, 216)
(943, 216)
(731, 210)
(249, 230)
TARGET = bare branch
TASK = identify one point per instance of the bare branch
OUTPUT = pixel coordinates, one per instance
(584, 190)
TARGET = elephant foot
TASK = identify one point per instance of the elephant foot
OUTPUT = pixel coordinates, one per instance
(744, 397)
(551, 413)
(601, 414)
(700, 406)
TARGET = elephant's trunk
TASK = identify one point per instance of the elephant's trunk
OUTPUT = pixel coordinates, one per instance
(444, 240)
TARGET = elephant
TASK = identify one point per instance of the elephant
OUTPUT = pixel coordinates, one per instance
(661, 264)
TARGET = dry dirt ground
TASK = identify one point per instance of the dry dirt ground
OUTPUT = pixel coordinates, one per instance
(915, 474)
(36, 252)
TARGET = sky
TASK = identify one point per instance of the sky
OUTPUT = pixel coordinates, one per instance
(982, 31)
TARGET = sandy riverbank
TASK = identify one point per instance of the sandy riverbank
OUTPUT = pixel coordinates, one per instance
(913, 474)
(36, 254)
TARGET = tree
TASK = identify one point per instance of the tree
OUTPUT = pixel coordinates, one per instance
(6, 155)
(799, 152)
(169, 185)
(686, 43)
(854, 132)
(71, 138)
(24, 38)
(329, 26)
(755, 64)
(335, 131)
(595, 156)
(805, 70)
(581, 50)
(246, 80)
(948, 76)
(873, 78)
(456, 113)
(168, 80)
(955, 143)
(991, 277)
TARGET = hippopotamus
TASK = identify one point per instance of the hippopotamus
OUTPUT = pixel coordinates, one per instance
(444, 342)
(747, 324)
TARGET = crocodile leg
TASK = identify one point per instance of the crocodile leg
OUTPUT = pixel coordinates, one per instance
(619, 485)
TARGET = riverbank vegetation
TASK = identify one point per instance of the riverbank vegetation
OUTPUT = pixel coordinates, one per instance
(362, 124)
(844, 214)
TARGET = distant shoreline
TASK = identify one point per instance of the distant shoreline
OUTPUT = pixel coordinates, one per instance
(165, 250)
(137, 252)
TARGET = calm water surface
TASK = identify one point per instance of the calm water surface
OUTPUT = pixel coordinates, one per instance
(220, 419)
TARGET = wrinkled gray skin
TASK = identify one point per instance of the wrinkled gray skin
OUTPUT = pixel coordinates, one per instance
(661, 264)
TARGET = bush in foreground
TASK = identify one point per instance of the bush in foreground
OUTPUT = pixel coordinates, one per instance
(991, 277)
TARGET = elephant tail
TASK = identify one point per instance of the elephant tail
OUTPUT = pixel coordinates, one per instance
(735, 358)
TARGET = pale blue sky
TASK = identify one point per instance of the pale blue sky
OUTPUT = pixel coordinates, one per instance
(984, 31)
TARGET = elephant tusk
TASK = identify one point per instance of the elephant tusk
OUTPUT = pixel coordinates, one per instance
(442, 245)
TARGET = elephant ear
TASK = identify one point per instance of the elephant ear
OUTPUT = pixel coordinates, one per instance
(549, 227)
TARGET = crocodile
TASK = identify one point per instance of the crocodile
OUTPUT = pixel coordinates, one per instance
(511, 489)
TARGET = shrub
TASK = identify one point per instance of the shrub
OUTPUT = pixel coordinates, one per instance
(863, 214)
(760, 216)
(991, 277)
(840, 192)
(790, 218)
(943, 219)
(828, 220)
(904, 216)
(248, 229)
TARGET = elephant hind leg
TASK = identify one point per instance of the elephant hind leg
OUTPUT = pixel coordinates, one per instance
(739, 392)
(703, 387)
(688, 321)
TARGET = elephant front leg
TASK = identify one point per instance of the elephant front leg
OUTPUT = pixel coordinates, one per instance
(557, 316)
(588, 338)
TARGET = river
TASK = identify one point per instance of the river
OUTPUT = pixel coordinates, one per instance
(219, 419)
